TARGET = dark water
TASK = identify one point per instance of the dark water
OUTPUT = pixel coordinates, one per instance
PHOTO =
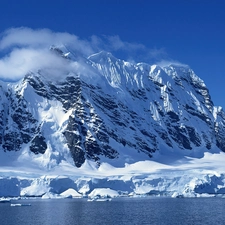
(119, 211)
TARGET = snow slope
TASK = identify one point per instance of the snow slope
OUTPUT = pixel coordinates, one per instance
(189, 177)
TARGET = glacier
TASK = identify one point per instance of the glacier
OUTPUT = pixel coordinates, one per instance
(190, 177)
(105, 127)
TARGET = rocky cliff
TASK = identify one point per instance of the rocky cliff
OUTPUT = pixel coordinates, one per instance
(106, 109)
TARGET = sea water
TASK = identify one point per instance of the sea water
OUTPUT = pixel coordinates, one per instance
(125, 211)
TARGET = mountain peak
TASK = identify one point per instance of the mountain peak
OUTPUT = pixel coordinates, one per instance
(101, 56)
(107, 110)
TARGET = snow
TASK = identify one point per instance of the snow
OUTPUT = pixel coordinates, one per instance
(70, 193)
(189, 177)
(171, 172)
(103, 193)
(49, 195)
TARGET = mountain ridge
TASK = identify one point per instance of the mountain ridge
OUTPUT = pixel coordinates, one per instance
(108, 110)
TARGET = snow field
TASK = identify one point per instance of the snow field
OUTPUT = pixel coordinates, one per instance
(193, 178)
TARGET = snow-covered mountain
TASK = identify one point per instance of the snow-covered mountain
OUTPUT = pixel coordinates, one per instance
(104, 109)
(100, 126)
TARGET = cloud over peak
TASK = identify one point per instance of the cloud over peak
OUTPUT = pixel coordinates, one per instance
(28, 50)
(41, 38)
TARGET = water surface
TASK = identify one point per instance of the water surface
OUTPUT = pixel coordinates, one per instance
(118, 211)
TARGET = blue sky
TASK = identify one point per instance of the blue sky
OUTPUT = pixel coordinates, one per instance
(188, 31)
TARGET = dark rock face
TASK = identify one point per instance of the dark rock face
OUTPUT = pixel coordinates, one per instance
(127, 109)
(220, 130)
(38, 145)
(17, 124)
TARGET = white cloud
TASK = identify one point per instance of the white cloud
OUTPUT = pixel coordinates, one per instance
(134, 52)
(21, 61)
(28, 50)
(114, 43)
(117, 44)
(42, 38)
